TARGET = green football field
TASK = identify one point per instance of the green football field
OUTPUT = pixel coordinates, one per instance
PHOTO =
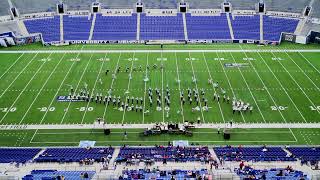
(281, 86)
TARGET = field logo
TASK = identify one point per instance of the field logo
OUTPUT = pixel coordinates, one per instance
(67, 99)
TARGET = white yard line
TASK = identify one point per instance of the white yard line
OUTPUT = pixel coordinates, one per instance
(25, 87)
(8, 69)
(18, 75)
(54, 97)
(128, 88)
(282, 88)
(309, 62)
(228, 80)
(245, 81)
(44, 84)
(158, 51)
(214, 89)
(274, 102)
(145, 89)
(162, 98)
(303, 72)
(199, 99)
(111, 86)
(94, 87)
(297, 84)
(75, 90)
(179, 84)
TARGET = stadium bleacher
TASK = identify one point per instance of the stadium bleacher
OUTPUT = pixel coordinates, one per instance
(74, 154)
(180, 154)
(273, 26)
(77, 27)
(161, 27)
(49, 27)
(306, 153)
(246, 27)
(115, 27)
(275, 173)
(252, 154)
(207, 27)
(146, 174)
(18, 155)
(54, 174)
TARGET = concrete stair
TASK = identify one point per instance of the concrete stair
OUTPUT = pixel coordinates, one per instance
(300, 26)
(114, 156)
(92, 25)
(230, 26)
(138, 26)
(61, 28)
(185, 30)
(261, 27)
(22, 27)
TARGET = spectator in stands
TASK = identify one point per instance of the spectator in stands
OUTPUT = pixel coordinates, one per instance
(241, 165)
(280, 173)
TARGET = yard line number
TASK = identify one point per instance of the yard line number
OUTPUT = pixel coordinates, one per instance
(6, 109)
(278, 108)
(315, 108)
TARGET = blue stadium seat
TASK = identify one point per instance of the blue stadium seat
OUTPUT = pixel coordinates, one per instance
(252, 154)
(246, 27)
(115, 27)
(77, 27)
(208, 27)
(49, 27)
(274, 26)
(53, 174)
(161, 27)
(19, 155)
(73, 154)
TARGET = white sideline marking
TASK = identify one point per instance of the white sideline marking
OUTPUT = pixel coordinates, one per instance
(77, 142)
(214, 89)
(158, 51)
(12, 65)
(44, 84)
(130, 132)
(141, 126)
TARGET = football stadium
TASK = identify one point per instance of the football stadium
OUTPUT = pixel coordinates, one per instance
(160, 90)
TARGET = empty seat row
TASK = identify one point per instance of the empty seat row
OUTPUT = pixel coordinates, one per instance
(161, 27)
